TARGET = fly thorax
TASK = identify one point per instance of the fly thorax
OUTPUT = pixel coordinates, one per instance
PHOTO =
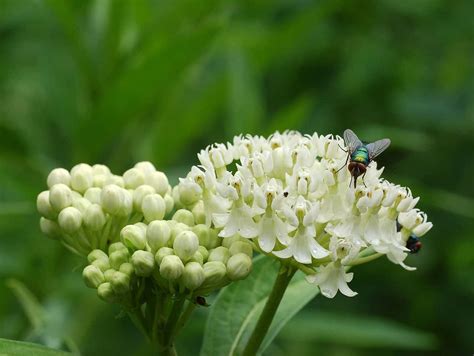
(361, 155)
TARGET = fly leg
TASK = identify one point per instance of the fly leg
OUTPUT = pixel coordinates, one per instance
(345, 164)
(363, 175)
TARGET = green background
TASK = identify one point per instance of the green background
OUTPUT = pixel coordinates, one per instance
(117, 82)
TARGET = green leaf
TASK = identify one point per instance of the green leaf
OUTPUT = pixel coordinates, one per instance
(237, 308)
(355, 330)
(12, 347)
(33, 309)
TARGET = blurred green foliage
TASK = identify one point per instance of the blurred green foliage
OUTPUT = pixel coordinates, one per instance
(120, 81)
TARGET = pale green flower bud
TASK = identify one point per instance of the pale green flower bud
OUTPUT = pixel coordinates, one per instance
(146, 167)
(171, 267)
(70, 220)
(175, 195)
(133, 178)
(143, 263)
(169, 203)
(58, 176)
(197, 257)
(207, 237)
(133, 237)
(185, 245)
(127, 268)
(115, 180)
(214, 272)
(187, 195)
(228, 241)
(193, 275)
(93, 195)
(117, 258)
(60, 196)
(44, 206)
(176, 229)
(204, 252)
(241, 247)
(117, 246)
(81, 177)
(100, 169)
(220, 253)
(184, 216)
(153, 207)
(159, 181)
(94, 217)
(102, 263)
(142, 226)
(100, 181)
(97, 255)
(50, 228)
(120, 282)
(81, 204)
(106, 292)
(158, 234)
(108, 275)
(199, 213)
(93, 276)
(161, 253)
(239, 266)
(111, 198)
(140, 193)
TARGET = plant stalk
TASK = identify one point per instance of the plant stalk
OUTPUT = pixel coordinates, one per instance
(285, 274)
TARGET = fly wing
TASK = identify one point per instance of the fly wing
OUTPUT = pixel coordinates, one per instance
(351, 140)
(377, 147)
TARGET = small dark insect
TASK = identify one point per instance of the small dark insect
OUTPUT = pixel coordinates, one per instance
(285, 194)
(413, 243)
(201, 301)
(360, 154)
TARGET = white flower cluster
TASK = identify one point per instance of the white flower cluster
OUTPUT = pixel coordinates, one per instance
(288, 194)
(178, 255)
(87, 207)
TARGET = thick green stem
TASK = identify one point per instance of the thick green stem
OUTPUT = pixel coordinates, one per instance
(167, 346)
(285, 274)
(186, 315)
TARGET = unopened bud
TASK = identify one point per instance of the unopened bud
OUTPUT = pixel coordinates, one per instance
(109, 274)
(70, 220)
(81, 177)
(143, 262)
(188, 195)
(58, 176)
(140, 193)
(204, 253)
(153, 207)
(193, 275)
(169, 203)
(184, 216)
(146, 167)
(207, 236)
(106, 292)
(100, 169)
(120, 282)
(60, 196)
(159, 181)
(241, 247)
(239, 266)
(117, 246)
(117, 258)
(50, 228)
(81, 204)
(133, 178)
(220, 253)
(228, 241)
(171, 267)
(158, 234)
(97, 255)
(161, 253)
(102, 263)
(94, 217)
(93, 195)
(197, 257)
(92, 276)
(214, 272)
(115, 180)
(185, 245)
(111, 198)
(44, 206)
(127, 268)
(199, 212)
(176, 229)
(133, 237)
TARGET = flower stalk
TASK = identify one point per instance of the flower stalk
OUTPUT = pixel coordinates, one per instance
(285, 274)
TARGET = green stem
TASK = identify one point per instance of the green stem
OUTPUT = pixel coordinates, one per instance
(185, 316)
(365, 259)
(285, 274)
(138, 319)
(167, 347)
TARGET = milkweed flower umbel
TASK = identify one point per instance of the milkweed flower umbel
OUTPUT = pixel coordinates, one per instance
(288, 195)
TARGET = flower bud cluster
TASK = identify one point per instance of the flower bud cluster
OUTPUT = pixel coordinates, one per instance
(184, 257)
(291, 195)
(86, 208)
